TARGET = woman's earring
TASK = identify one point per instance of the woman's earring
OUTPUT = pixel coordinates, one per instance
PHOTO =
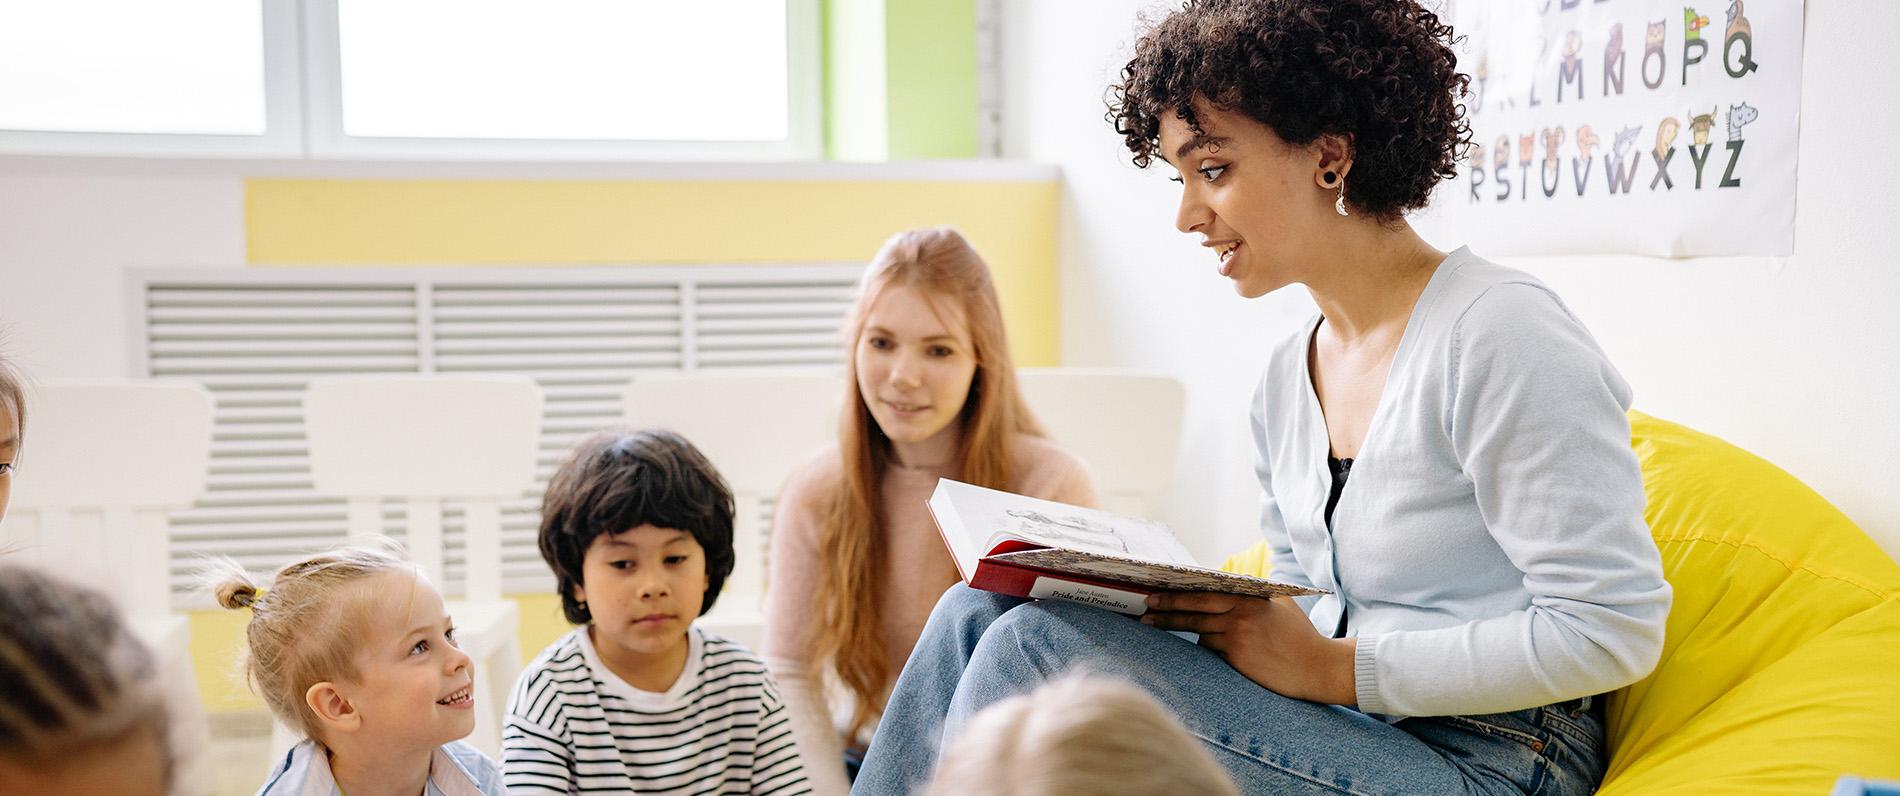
(1339, 205)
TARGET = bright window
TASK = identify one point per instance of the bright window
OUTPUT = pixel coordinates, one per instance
(132, 66)
(414, 79)
(708, 70)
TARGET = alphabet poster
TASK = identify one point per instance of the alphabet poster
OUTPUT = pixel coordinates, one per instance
(1658, 127)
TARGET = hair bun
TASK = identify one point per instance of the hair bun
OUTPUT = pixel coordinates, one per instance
(236, 593)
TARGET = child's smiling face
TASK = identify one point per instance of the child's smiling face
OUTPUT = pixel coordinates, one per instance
(643, 587)
(414, 684)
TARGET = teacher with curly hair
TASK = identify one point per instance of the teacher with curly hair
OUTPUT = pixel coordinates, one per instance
(1443, 449)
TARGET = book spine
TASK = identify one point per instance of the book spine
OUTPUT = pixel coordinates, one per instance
(1029, 582)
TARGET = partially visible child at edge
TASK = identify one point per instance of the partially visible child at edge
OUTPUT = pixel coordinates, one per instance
(637, 527)
(79, 709)
(1078, 734)
(353, 649)
(12, 428)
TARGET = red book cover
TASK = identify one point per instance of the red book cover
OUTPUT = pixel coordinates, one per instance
(1026, 547)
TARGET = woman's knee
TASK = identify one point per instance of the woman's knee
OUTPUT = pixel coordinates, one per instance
(963, 612)
(961, 599)
(1053, 630)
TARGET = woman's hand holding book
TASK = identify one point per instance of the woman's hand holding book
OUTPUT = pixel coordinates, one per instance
(1269, 641)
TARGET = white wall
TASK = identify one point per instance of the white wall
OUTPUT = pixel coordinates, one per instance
(65, 235)
(1793, 359)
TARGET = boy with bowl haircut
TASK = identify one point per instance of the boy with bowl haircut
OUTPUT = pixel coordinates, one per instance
(637, 527)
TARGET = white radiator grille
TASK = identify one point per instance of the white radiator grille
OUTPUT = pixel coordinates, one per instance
(256, 337)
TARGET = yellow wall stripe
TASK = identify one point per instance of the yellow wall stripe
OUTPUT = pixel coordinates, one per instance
(579, 222)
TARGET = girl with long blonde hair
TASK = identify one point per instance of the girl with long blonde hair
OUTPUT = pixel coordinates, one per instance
(856, 562)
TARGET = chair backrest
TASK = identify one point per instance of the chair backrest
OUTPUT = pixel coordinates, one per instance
(423, 439)
(1126, 425)
(126, 451)
(755, 426)
(429, 436)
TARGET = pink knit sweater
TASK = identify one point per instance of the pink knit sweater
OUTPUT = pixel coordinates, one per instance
(915, 565)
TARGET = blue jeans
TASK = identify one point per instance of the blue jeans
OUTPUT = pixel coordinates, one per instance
(979, 648)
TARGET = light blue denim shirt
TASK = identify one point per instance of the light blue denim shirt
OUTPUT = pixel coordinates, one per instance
(456, 769)
(1489, 551)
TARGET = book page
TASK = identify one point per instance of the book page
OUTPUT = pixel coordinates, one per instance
(1000, 516)
(966, 542)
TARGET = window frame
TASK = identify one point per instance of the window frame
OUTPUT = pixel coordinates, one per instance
(304, 112)
(283, 112)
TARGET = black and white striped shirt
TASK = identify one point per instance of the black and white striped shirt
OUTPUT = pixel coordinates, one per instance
(574, 727)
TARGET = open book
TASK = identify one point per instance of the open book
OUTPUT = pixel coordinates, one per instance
(1021, 546)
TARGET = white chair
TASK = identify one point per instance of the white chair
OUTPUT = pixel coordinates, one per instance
(102, 465)
(755, 426)
(423, 440)
(1126, 425)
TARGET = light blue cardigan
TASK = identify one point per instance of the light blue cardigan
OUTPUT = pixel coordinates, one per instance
(1489, 545)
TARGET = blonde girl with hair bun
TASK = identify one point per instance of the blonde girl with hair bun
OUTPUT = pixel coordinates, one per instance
(1078, 734)
(80, 710)
(856, 564)
(353, 648)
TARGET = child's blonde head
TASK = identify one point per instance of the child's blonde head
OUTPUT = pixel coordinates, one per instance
(1078, 735)
(75, 683)
(307, 624)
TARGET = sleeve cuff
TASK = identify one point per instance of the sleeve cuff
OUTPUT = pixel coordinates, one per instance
(1365, 675)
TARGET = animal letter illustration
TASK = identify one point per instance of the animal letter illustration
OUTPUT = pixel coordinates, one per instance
(1552, 171)
(1737, 22)
(1694, 48)
(1699, 126)
(1613, 61)
(1738, 117)
(1619, 177)
(1653, 53)
(1625, 139)
(1571, 70)
(1738, 32)
(1580, 166)
(1666, 134)
(1587, 141)
(1481, 74)
(1553, 138)
(1664, 152)
(1692, 24)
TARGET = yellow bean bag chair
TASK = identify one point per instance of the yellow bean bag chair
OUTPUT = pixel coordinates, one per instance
(1781, 668)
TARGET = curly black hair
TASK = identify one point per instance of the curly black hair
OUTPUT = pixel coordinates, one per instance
(616, 480)
(1381, 72)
